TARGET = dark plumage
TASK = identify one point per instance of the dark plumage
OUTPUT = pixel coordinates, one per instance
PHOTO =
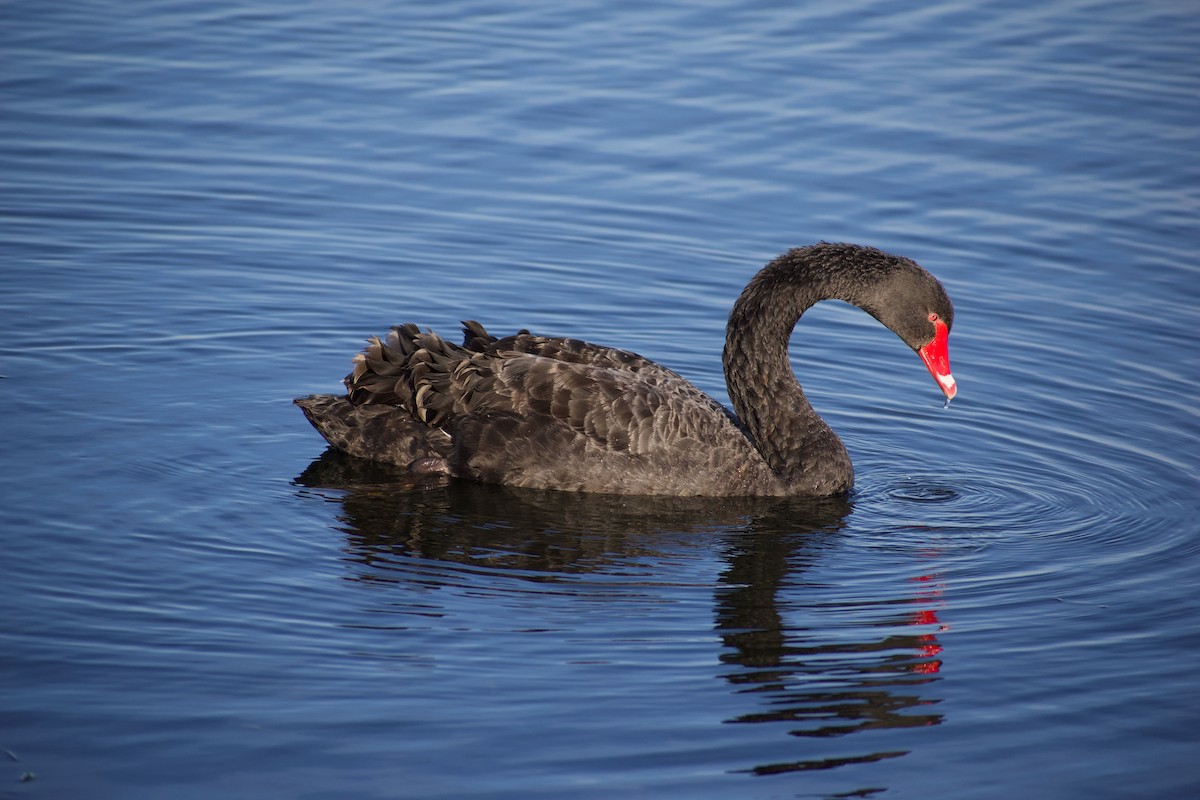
(557, 413)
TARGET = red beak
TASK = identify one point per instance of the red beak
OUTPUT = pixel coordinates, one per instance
(936, 356)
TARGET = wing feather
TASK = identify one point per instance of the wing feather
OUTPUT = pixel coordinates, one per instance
(541, 395)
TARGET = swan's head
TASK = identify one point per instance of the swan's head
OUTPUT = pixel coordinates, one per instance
(922, 316)
(915, 306)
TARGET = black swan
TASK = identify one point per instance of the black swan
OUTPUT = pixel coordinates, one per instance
(551, 413)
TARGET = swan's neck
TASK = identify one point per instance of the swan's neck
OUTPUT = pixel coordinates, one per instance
(796, 443)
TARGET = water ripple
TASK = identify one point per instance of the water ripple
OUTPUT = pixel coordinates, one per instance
(207, 208)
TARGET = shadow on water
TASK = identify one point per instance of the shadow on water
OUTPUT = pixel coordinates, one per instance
(818, 663)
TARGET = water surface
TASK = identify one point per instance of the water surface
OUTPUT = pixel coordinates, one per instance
(205, 208)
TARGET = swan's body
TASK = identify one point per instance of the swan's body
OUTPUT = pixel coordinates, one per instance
(549, 413)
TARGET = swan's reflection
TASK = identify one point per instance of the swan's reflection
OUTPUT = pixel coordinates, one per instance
(543, 534)
(815, 684)
(796, 671)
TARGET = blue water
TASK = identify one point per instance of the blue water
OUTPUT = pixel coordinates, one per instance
(206, 207)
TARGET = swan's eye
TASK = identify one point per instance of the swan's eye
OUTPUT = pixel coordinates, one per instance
(933, 317)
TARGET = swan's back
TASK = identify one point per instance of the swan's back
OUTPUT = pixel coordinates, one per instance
(543, 412)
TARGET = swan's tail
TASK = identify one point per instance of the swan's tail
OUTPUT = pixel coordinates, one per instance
(402, 394)
(378, 432)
